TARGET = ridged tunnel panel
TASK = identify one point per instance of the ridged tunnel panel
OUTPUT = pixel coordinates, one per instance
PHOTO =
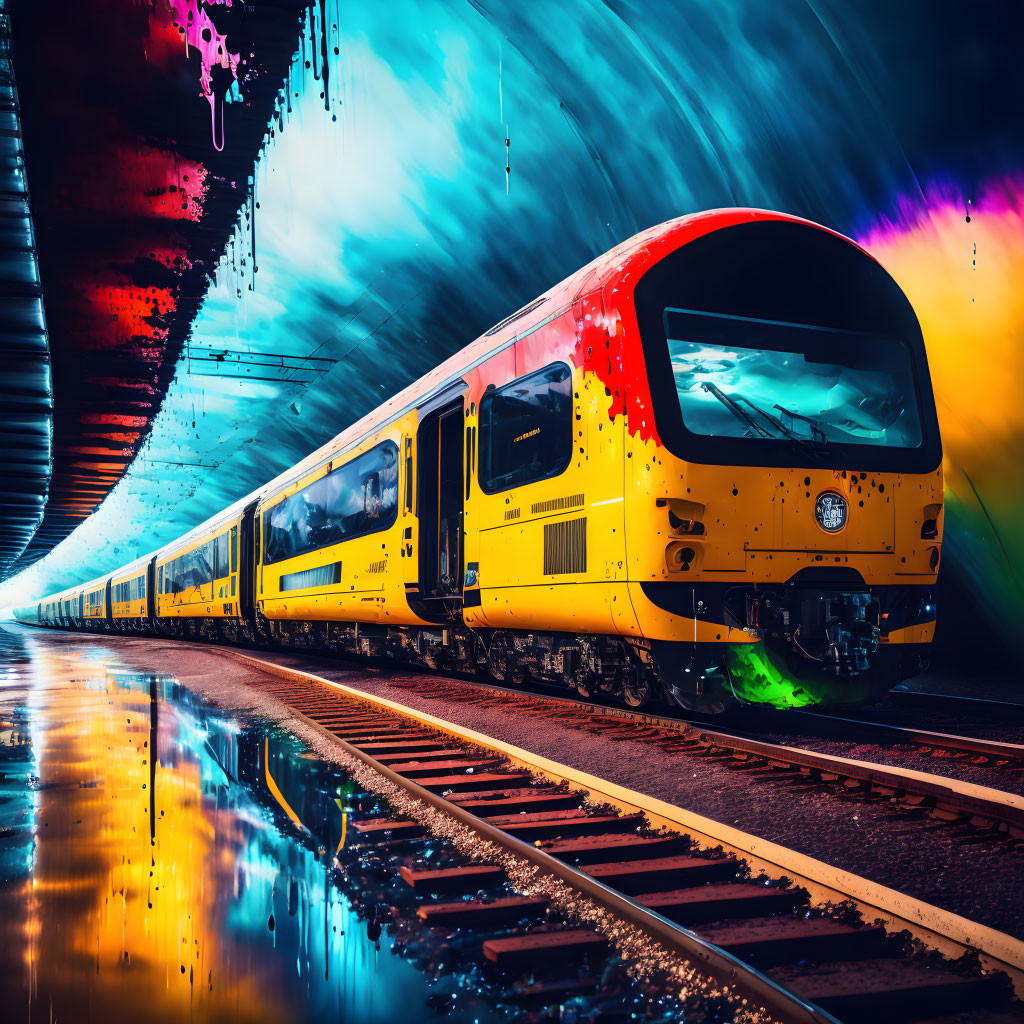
(26, 402)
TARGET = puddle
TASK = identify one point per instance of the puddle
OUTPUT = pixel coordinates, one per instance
(199, 883)
(165, 859)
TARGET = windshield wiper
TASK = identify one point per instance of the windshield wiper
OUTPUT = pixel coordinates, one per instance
(816, 430)
(733, 407)
(778, 424)
(732, 403)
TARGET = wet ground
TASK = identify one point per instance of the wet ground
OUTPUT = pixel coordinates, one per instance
(898, 846)
(164, 859)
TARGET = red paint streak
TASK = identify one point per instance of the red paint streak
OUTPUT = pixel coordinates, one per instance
(114, 419)
(155, 183)
(129, 312)
(128, 438)
(164, 45)
(122, 382)
(139, 181)
(608, 337)
(87, 450)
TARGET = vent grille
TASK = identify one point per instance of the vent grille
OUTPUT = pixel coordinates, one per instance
(511, 513)
(377, 566)
(556, 504)
(565, 547)
(321, 576)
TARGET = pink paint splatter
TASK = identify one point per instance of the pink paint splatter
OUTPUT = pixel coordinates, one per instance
(196, 28)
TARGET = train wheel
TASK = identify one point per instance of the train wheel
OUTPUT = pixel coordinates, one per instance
(584, 686)
(636, 689)
(501, 658)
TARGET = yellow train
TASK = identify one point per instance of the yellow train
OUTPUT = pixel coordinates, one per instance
(706, 466)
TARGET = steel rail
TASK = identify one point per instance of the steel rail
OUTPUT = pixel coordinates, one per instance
(944, 740)
(994, 805)
(977, 801)
(980, 802)
(941, 929)
(951, 701)
(711, 960)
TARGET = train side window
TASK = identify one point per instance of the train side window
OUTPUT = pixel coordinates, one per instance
(526, 429)
(234, 549)
(355, 499)
(222, 559)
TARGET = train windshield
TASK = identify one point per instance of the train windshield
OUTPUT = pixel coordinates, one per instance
(774, 343)
(748, 378)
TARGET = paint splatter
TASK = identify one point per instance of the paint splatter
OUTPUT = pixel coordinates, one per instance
(219, 66)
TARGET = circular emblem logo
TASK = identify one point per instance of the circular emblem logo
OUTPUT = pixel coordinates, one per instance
(830, 511)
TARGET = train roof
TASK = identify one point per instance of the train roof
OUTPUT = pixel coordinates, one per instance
(132, 567)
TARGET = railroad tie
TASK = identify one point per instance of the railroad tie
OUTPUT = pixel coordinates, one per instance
(389, 828)
(514, 805)
(434, 754)
(719, 902)
(600, 848)
(375, 747)
(482, 780)
(478, 914)
(551, 824)
(771, 942)
(637, 876)
(889, 989)
(551, 991)
(551, 949)
(467, 879)
(370, 736)
(414, 769)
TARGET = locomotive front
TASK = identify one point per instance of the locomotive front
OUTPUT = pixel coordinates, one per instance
(783, 464)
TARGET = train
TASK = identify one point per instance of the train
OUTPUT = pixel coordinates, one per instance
(705, 469)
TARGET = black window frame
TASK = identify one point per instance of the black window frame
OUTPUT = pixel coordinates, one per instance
(723, 273)
(485, 479)
(386, 521)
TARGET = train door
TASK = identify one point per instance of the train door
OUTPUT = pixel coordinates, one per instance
(248, 556)
(151, 593)
(439, 446)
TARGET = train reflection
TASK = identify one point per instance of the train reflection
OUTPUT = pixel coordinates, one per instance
(167, 860)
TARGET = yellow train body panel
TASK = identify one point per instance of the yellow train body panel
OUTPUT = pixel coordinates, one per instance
(371, 571)
(200, 578)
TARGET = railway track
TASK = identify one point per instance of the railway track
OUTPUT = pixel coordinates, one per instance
(634, 875)
(978, 750)
(995, 812)
(638, 724)
(1000, 710)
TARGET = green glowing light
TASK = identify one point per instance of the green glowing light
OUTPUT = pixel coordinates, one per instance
(756, 678)
(763, 675)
